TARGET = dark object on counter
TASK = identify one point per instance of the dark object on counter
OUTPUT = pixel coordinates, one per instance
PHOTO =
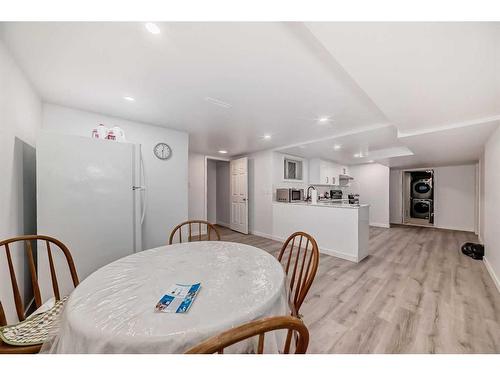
(473, 250)
(289, 195)
(353, 198)
(336, 194)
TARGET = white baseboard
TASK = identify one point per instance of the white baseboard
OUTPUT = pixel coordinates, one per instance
(396, 222)
(222, 224)
(340, 255)
(321, 249)
(265, 235)
(490, 270)
(380, 225)
(453, 228)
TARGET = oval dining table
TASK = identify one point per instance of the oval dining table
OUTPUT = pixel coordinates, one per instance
(113, 310)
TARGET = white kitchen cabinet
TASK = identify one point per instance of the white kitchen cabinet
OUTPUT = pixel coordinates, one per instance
(323, 172)
(314, 168)
(326, 173)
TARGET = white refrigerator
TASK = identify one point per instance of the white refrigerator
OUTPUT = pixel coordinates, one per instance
(91, 196)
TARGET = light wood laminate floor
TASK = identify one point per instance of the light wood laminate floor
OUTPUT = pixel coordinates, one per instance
(415, 293)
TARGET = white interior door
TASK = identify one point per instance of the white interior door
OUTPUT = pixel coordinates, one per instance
(239, 195)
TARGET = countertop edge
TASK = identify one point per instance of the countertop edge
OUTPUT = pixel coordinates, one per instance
(328, 205)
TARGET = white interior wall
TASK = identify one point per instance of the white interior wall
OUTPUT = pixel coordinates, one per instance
(371, 182)
(212, 191)
(265, 176)
(196, 186)
(167, 180)
(260, 190)
(20, 120)
(454, 197)
(278, 180)
(223, 186)
(395, 196)
(481, 208)
(491, 232)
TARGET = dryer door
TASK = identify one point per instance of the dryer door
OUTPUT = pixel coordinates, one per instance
(422, 189)
(421, 209)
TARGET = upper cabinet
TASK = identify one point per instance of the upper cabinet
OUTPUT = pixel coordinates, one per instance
(323, 172)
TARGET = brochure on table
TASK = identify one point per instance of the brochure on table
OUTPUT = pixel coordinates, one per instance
(179, 298)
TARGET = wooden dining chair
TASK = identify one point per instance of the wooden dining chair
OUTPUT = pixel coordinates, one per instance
(217, 344)
(300, 258)
(27, 241)
(197, 224)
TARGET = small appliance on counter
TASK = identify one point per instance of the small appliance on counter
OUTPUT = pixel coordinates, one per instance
(353, 198)
(289, 195)
(335, 194)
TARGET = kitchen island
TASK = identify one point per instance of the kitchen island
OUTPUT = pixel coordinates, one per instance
(341, 230)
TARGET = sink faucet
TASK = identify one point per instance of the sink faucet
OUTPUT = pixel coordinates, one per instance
(308, 194)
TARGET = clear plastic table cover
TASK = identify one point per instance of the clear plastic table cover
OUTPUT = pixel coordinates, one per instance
(113, 310)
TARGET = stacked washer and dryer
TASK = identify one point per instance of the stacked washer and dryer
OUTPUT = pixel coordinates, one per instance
(422, 195)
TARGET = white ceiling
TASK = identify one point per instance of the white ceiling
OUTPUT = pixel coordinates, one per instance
(275, 81)
(446, 147)
(375, 144)
(421, 75)
(385, 145)
(377, 81)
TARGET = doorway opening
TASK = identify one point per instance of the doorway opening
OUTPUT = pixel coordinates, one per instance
(418, 197)
(218, 191)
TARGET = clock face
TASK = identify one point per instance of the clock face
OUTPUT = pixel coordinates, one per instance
(162, 151)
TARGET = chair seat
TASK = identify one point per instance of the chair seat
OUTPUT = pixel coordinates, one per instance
(33, 331)
(12, 349)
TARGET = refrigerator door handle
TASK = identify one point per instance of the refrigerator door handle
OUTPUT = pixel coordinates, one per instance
(143, 188)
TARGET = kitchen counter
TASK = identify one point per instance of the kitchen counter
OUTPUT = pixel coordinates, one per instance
(341, 230)
(335, 203)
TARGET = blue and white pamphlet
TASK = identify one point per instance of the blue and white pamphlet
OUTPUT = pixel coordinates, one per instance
(179, 298)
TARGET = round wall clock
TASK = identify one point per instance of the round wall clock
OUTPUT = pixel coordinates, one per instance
(162, 151)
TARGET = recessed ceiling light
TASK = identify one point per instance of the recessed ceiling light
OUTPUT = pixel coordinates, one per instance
(357, 155)
(323, 119)
(267, 136)
(129, 98)
(337, 147)
(370, 161)
(152, 28)
(222, 152)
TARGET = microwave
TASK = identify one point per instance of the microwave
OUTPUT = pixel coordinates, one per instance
(289, 195)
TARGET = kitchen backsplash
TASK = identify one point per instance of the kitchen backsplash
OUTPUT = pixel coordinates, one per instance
(321, 189)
